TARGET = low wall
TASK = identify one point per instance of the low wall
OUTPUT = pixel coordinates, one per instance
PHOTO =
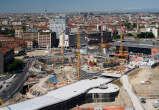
(82, 99)
(101, 97)
(67, 105)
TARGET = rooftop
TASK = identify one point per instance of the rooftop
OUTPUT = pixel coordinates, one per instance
(108, 89)
(4, 50)
(138, 43)
(59, 95)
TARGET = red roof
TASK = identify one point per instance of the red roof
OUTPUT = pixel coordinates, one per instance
(4, 50)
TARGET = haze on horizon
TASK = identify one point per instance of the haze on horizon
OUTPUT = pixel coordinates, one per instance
(17, 6)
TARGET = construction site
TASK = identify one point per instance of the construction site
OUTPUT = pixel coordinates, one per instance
(101, 66)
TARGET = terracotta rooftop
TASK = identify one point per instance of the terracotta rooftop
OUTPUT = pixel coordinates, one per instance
(6, 38)
(4, 50)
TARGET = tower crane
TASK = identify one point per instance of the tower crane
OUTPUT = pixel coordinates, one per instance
(101, 31)
(122, 52)
(2, 104)
(62, 51)
(121, 41)
(78, 54)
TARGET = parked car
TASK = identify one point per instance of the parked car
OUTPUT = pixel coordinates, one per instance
(156, 104)
(142, 100)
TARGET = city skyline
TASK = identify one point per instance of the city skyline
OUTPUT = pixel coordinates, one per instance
(28, 6)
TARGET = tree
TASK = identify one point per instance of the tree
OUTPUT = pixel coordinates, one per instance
(116, 37)
(24, 28)
(14, 65)
(128, 25)
(129, 34)
(7, 31)
(134, 25)
(145, 35)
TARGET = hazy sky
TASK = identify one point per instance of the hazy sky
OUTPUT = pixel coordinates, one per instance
(73, 5)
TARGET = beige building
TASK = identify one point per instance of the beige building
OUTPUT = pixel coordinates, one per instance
(44, 39)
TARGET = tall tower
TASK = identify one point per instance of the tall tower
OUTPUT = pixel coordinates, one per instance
(138, 27)
(45, 13)
(78, 54)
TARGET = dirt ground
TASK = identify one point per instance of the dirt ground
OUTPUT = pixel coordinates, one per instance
(16, 99)
(149, 89)
(37, 53)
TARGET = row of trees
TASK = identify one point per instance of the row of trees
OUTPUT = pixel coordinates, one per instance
(140, 35)
(16, 64)
(130, 25)
(145, 35)
(7, 31)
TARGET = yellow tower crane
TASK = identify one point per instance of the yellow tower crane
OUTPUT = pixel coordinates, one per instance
(78, 54)
(62, 51)
(121, 41)
(122, 52)
(2, 104)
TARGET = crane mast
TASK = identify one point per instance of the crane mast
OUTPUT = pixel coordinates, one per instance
(121, 40)
(78, 54)
(62, 51)
(101, 31)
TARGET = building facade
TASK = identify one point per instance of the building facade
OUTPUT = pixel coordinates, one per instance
(17, 45)
(30, 36)
(59, 25)
(6, 55)
(66, 40)
(44, 39)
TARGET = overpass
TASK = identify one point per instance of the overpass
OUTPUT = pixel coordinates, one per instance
(59, 95)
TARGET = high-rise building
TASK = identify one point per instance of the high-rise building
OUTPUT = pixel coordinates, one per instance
(18, 32)
(44, 39)
(155, 32)
(54, 40)
(59, 25)
(66, 40)
(6, 55)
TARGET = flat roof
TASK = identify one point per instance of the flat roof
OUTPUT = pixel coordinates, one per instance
(109, 89)
(4, 50)
(59, 95)
(139, 44)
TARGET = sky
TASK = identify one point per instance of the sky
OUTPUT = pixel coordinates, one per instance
(73, 5)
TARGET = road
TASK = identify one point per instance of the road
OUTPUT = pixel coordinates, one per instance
(59, 95)
(127, 86)
(16, 83)
(85, 75)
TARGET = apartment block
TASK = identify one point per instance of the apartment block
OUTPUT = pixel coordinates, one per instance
(6, 55)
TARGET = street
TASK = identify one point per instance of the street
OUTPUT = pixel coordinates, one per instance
(127, 86)
(16, 83)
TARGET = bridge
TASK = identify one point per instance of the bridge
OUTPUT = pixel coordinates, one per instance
(59, 95)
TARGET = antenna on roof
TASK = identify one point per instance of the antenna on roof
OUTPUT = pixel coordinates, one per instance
(45, 12)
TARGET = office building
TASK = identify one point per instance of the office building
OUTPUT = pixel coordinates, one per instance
(44, 39)
(59, 25)
(6, 55)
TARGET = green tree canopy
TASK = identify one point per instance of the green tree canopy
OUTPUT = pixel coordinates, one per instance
(116, 37)
(8, 31)
(145, 35)
(14, 65)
